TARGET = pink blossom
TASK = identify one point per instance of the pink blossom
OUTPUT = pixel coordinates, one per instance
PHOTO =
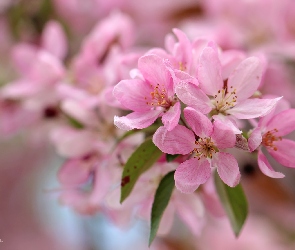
(181, 56)
(150, 97)
(188, 207)
(41, 70)
(84, 183)
(53, 41)
(76, 143)
(269, 133)
(115, 31)
(184, 55)
(101, 63)
(230, 97)
(90, 172)
(92, 169)
(35, 92)
(206, 150)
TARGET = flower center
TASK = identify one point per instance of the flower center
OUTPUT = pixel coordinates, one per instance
(204, 148)
(159, 98)
(225, 99)
(269, 138)
(182, 66)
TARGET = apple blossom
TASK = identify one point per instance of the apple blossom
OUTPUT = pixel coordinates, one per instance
(205, 144)
(150, 97)
(230, 98)
(269, 133)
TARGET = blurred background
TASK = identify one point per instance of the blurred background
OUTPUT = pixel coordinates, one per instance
(31, 214)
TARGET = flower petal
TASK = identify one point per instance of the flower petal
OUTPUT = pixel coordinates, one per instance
(255, 139)
(133, 94)
(285, 153)
(284, 122)
(190, 174)
(181, 76)
(191, 210)
(282, 105)
(155, 71)
(223, 136)
(229, 121)
(198, 122)
(252, 108)
(71, 142)
(246, 78)
(74, 172)
(193, 96)
(178, 141)
(54, 39)
(230, 59)
(266, 168)
(183, 49)
(80, 112)
(211, 200)
(209, 71)
(171, 118)
(227, 168)
(102, 178)
(137, 120)
(47, 69)
(23, 57)
(18, 89)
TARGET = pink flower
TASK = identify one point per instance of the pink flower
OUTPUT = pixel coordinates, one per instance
(53, 41)
(34, 94)
(96, 69)
(180, 54)
(230, 97)
(150, 97)
(84, 183)
(41, 70)
(269, 134)
(189, 207)
(206, 149)
(76, 143)
(90, 173)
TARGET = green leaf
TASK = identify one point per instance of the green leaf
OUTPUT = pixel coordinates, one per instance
(170, 158)
(75, 123)
(141, 160)
(160, 203)
(234, 203)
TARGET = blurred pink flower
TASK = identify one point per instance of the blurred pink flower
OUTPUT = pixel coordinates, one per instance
(258, 233)
(53, 40)
(84, 183)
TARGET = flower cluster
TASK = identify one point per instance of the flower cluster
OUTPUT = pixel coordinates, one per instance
(190, 110)
(205, 97)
